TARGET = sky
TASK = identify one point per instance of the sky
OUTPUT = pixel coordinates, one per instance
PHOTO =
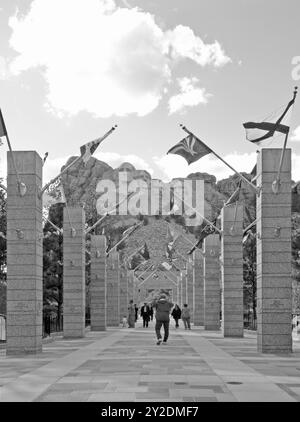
(70, 69)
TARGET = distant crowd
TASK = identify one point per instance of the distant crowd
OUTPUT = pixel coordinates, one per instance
(161, 308)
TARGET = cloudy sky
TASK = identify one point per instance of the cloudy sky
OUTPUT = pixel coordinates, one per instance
(70, 69)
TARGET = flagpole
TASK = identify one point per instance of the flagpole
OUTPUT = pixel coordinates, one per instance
(143, 272)
(172, 280)
(200, 215)
(53, 225)
(124, 238)
(276, 183)
(73, 162)
(108, 213)
(137, 266)
(228, 165)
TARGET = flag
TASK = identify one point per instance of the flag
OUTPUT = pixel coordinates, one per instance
(144, 252)
(54, 194)
(235, 197)
(166, 266)
(206, 231)
(190, 148)
(87, 150)
(258, 132)
(3, 131)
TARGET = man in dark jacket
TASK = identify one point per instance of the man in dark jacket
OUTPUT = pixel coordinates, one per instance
(162, 315)
(145, 314)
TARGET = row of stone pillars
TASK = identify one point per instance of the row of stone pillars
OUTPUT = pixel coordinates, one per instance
(213, 281)
(213, 278)
(217, 270)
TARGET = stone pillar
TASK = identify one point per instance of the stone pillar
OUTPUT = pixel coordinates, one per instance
(124, 300)
(184, 286)
(112, 293)
(190, 287)
(274, 284)
(178, 290)
(198, 288)
(74, 272)
(98, 283)
(24, 255)
(212, 296)
(232, 271)
(130, 280)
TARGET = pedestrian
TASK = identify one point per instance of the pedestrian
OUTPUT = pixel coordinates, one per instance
(162, 315)
(151, 312)
(124, 322)
(145, 314)
(186, 317)
(136, 310)
(131, 314)
(176, 314)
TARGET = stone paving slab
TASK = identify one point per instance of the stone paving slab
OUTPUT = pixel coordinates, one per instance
(127, 365)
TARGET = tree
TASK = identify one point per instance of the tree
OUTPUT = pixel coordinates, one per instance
(249, 270)
(53, 263)
(2, 252)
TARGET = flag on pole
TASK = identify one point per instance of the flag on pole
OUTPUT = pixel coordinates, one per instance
(144, 252)
(87, 150)
(166, 266)
(206, 231)
(54, 194)
(3, 131)
(190, 148)
(275, 124)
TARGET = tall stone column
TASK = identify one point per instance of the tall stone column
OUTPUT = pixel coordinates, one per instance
(112, 293)
(190, 287)
(212, 296)
(123, 293)
(184, 286)
(24, 255)
(98, 283)
(74, 272)
(178, 290)
(232, 271)
(198, 288)
(130, 281)
(274, 284)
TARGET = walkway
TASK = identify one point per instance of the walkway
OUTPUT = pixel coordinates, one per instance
(127, 365)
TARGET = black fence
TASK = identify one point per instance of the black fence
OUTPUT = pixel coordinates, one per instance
(250, 323)
(53, 324)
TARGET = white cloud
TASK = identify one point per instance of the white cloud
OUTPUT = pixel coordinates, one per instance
(296, 134)
(190, 95)
(3, 69)
(175, 166)
(185, 44)
(101, 58)
(114, 159)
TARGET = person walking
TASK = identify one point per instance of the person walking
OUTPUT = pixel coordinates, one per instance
(131, 315)
(145, 314)
(186, 317)
(162, 315)
(151, 313)
(136, 309)
(176, 314)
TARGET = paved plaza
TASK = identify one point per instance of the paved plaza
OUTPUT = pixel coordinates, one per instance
(124, 364)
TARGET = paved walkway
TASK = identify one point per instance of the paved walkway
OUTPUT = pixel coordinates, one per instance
(127, 365)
